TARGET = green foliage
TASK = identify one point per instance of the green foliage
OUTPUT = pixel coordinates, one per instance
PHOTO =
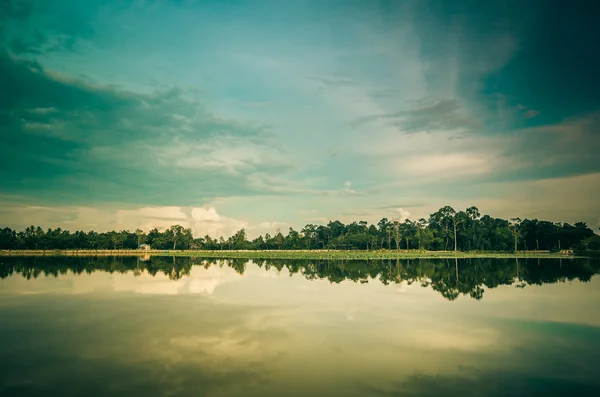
(446, 229)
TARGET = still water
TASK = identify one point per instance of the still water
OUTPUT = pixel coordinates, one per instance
(166, 326)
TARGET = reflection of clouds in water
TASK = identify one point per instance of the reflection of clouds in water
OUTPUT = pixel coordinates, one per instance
(479, 383)
(274, 329)
(440, 335)
(156, 345)
(200, 281)
(350, 315)
(244, 346)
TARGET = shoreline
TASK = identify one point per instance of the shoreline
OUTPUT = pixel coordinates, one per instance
(296, 254)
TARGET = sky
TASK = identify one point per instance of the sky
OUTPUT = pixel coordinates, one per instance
(266, 115)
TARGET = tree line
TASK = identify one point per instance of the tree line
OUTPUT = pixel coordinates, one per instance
(445, 229)
(450, 277)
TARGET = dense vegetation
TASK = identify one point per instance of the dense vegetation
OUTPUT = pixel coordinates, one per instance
(445, 229)
(450, 277)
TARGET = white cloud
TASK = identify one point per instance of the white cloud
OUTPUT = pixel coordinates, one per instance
(270, 225)
(444, 165)
(348, 188)
(206, 220)
(230, 154)
(402, 214)
(43, 111)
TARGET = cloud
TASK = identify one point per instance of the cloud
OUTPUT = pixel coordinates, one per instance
(397, 99)
(93, 138)
(201, 280)
(493, 383)
(224, 154)
(402, 214)
(388, 207)
(565, 148)
(43, 111)
(30, 28)
(443, 165)
(445, 115)
(271, 225)
(348, 187)
(218, 348)
(258, 104)
(202, 220)
(531, 114)
(527, 113)
(334, 81)
(544, 151)
(17, 10)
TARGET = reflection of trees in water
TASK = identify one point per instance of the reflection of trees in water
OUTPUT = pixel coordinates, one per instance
(32, 267)
(450, 277)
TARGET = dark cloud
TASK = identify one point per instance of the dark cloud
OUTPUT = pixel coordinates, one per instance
(543, 53)
(440, 115)
(68, 140)
(555, 71)
(14, 9)
(37, 27)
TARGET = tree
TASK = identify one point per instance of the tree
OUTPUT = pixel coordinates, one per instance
(122, 237)
(239, 239)
(187, 238)
(424, 234)
(177, 231)
(116, 239)
(309, 232)
(459, 218)
(141, 236)
(278, 239)
(396, 226)
(92, 238)
(468, 229)
(441, 221)
(323, 235)
(515, 226)
(385, 229)
(408, 230)
(473, 214)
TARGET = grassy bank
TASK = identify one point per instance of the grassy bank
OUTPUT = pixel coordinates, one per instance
(297, 254)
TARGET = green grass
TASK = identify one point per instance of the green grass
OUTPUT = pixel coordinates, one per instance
(330, 254)
(301, 254)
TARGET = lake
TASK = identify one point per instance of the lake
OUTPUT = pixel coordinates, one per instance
(181, 326)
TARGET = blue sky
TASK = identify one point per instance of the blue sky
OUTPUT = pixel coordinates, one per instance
(270, 114)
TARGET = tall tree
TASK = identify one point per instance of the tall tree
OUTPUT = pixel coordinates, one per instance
(459, 218)
(141, 237)
(442, 220)
(397, 236)
(515, 227)
(177, 231)
(473, 214)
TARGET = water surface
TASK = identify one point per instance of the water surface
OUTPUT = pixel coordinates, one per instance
(166, 326)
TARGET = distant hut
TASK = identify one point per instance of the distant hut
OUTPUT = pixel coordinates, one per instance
(144, 247)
